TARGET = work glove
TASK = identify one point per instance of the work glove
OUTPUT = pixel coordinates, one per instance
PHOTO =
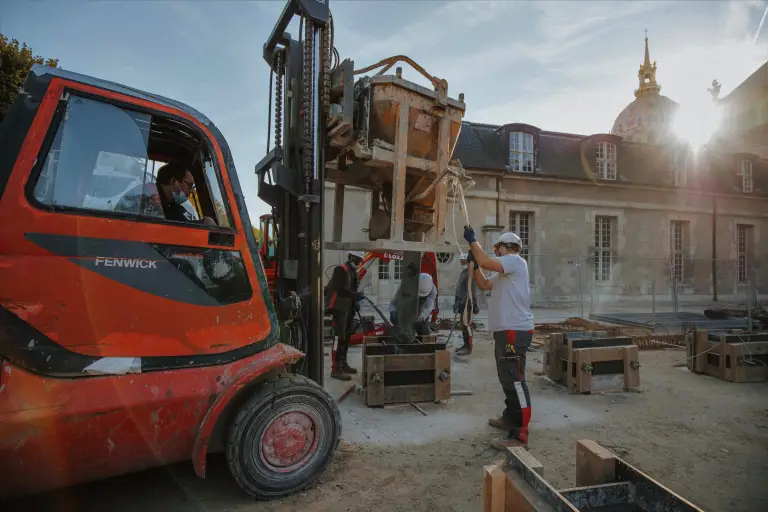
(471, 259)
(359, 296)
(469, 234)
(357, 307)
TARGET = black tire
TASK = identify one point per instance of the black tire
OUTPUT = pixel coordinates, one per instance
(311, 421)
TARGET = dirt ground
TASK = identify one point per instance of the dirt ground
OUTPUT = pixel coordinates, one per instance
(705, 439)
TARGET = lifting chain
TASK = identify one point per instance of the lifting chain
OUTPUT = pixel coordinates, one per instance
(279, 101)
(325, 51)
(307, 79)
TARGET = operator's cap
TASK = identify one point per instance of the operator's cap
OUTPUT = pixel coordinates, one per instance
(425, 284)
(463, 257)
(509, 238)
(359, 254)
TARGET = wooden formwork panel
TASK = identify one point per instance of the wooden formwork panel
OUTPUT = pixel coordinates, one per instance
(730, 357)
(604, 482)
(405, 373)
(592, 365)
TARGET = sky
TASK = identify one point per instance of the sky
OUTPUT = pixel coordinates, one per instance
(561, 66)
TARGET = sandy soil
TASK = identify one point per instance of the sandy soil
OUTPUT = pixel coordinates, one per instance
(704, 438)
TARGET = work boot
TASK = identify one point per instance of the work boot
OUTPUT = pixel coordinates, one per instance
(499, 423)
(348, 369)
(502, 443)
(337, 372)
(464, 350)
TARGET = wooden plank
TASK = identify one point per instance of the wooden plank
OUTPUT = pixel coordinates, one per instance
(570, 378)
(442, 390)
(631, 375)
(375, 381)
(494, 482)
(594, 464)
(723, 353)
(552, 361)
(521, 497)
(411, 393)
(582, 383)
(518, 461)
(604, 495)
(650, 494)
(409, 362)
(428, 338)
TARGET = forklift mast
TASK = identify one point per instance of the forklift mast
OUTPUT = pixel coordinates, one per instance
(291, 175)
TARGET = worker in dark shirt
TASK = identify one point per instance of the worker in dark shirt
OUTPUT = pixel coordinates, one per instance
(342, 297)
(175, 184)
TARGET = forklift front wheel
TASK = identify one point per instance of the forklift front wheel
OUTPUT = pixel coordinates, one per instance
(283, 437)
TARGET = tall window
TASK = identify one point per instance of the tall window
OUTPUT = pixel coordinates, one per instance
(606, 160)
(398, 270)
(521, 151)
(383, 270)
(520, 223)
(603, 244)
(745, 171)
(743, 244)
(677, 248)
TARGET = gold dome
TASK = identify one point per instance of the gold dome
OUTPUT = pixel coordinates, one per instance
(648, 119)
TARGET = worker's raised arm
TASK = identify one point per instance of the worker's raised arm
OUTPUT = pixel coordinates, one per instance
(482, 259)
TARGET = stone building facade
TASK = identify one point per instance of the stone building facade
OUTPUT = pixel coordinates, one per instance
(627, 216)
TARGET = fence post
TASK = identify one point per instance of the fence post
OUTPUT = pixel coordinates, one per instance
(578, 290)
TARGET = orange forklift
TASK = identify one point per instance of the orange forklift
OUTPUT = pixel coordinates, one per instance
(131, 337)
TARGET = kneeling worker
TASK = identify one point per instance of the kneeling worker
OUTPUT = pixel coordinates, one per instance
(427, 294)
(342, 300)
(511, 321)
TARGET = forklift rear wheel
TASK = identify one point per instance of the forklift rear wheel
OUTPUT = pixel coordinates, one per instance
(283, 437)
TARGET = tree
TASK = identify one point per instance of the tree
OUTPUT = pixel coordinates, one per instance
(15, 62)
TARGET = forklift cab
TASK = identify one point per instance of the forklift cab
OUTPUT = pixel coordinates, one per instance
(154, 334)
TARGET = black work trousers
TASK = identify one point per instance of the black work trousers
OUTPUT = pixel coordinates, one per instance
(343, 322)
(510, 352)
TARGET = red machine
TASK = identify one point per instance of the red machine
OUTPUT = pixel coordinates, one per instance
(131, 338)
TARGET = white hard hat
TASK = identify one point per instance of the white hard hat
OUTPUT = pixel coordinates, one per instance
(509, 238)
(463, 257)
(425, 284)
(359, 254)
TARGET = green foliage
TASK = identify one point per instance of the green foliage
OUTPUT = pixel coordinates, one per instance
(16, 59)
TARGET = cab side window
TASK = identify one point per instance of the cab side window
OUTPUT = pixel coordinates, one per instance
(106, 159)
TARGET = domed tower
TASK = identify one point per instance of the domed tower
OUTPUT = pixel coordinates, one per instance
(650, 117)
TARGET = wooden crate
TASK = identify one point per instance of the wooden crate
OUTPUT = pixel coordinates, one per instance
(419, 372)
(730, 357)
(604, 480)
(590, 362)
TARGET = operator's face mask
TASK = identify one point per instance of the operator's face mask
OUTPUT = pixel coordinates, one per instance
(355, 261)
(178, 193)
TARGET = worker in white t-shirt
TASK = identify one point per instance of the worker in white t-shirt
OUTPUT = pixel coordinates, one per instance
(511, 321)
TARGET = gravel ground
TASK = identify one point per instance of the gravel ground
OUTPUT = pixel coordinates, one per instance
(705, 439)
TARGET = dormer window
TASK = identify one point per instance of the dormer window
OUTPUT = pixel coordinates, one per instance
(521, 156)
(745, 171)
(606, 160)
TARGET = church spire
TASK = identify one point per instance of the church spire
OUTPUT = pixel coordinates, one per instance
(647, 74)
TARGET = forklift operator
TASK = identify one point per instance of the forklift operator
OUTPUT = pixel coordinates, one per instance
(342, 300)
(175, 184)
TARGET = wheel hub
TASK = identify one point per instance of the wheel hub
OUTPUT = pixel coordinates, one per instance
(288, 440)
